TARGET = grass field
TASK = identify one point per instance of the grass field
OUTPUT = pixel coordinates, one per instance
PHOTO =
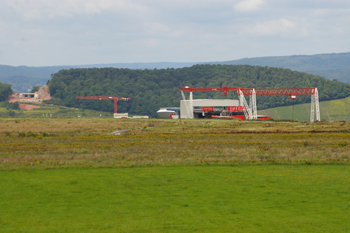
(177, 199)
(71, 175)
(38, 143)
(334, 110)
(47, 110)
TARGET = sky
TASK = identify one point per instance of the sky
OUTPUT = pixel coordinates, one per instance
(77, 32)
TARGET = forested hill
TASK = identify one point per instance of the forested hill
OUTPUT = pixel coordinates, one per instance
(330, 66)
(23, 78)
(151, 89)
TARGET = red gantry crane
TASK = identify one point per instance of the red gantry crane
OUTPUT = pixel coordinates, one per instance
(250, 110)
(104, 98)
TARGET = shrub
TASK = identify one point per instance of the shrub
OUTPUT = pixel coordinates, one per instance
(12, 113)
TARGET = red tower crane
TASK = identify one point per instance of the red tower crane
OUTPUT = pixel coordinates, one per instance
(104, 98)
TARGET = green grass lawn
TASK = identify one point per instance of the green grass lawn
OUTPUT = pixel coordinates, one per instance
(55, 111)
(71, 175)
(334, 110)
(177, 199)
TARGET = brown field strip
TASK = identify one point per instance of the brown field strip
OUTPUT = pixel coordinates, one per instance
(34, 143)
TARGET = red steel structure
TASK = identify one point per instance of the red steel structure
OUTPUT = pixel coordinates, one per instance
(251, 111)
(280, 91)
(104, 98)
(223, 89)
(248, 91)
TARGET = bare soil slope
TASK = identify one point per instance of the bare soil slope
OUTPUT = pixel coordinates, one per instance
(43, 93)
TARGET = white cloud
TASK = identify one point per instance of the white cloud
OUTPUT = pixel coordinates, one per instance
(321, 12)
(273, 27)
(152, 42)
(304, 32)
(155, 27)
(39, 9)
(177, 33)
(107, 31)
(248, 5)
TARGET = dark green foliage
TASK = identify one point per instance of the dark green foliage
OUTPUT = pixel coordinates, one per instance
(8, 105)
(34, 89)
(340, 75)
(12, 113)
(55, 101)
(5, 91)
(151, 89)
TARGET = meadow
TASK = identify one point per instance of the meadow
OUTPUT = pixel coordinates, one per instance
(266, 198)
(47, 110)
(46, 143)
(162, 175)
(333, 110)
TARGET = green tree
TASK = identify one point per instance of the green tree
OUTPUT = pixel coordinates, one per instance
(5, 91)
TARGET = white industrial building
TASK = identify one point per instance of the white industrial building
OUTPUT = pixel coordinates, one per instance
(198, 111)
(201, 108)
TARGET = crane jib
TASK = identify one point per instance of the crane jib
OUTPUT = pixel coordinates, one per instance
(104, 98)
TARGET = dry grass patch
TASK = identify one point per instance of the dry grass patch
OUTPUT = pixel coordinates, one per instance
(86, 142)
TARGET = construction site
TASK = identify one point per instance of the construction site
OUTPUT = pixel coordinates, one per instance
(222, 108)
(26, 99)
(229, 108)
(243, 108)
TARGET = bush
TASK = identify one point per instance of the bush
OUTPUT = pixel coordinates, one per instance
(5, 91)
(12, 113)
(34, 89)
(9, 106)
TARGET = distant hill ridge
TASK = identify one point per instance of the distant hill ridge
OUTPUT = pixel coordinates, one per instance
(302, 63)
(330, 66)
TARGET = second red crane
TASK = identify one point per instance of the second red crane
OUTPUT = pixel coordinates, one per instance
(104, 98)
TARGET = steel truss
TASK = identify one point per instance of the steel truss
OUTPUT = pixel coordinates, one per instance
(292, 92)
(315, 103)
(250, 111)
(247, 110)
(188, 104)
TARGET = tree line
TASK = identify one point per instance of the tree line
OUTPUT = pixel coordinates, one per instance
(151, 89)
